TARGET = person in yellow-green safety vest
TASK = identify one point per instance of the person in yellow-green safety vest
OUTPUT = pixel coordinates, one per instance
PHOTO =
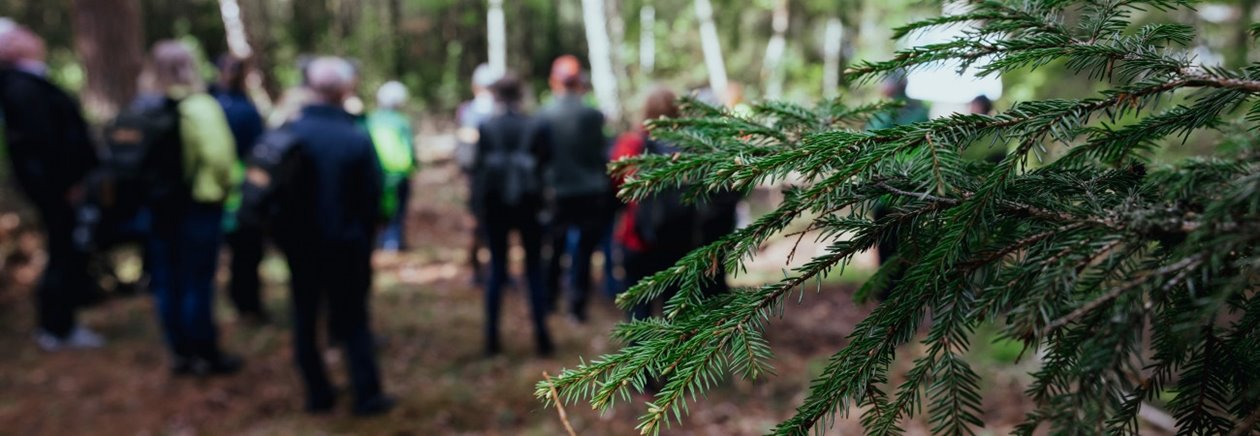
(395, 148)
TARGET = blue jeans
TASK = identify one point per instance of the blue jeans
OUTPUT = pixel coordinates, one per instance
(184, 252)
(394, 236)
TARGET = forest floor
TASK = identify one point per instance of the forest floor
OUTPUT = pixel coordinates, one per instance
(429, 318)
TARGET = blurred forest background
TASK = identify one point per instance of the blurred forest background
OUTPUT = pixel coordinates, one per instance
(428, 312)
(433, 45)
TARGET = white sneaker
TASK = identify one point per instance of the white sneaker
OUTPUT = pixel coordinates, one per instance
(48, 341)
(83, 338)
(79, 338)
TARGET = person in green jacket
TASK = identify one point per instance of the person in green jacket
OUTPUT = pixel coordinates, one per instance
(395, 148)
(183, 248)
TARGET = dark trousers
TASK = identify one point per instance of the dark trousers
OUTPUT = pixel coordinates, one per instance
(245, 285)
(65, 282)
(498, 220)
(589, 216)
(642, 264)
(184, 253)
(337, 280)
(394, 236)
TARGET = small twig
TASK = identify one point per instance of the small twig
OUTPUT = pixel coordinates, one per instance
(555, 396)
(1181, 267)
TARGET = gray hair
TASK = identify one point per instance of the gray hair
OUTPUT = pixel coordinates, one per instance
(391, 95)
(331, 78)
(172, 64)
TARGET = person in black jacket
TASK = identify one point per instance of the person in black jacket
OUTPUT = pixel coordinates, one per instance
(328, 238)
(507, 196)
(51, 153)
(577, 178)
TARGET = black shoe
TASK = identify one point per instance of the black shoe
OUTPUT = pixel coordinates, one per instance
(320, 406)
(183, 366)
(378, 405)
(222, 364)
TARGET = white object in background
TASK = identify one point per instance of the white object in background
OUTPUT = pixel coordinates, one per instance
(647, 39)
(832, 46)
(772, 67)
(603, 78)
(712, 50)
(942, 83)
(496, 37)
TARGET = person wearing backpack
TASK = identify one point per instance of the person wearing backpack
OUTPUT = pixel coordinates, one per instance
(395, 147)
(51, 153)
(189, 177)
(507, 196)
(245, 243)
(582, 198)
(659, 230)
(326, 227)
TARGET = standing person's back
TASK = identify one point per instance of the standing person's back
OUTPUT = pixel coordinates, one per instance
(245, 242)
(578, 146)
(576, 176)
(48, 146)
(327, 237)
(507, 196)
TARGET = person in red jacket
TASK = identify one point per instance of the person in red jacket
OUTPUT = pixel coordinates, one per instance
(642, 259)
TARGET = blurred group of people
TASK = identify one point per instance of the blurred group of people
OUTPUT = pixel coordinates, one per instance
(545, 177)
(189, 169)
(185, 168)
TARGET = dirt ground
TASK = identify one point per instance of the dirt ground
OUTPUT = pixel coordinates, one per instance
(429, 318)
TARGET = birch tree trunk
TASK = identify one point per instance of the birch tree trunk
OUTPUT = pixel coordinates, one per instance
(647, 40)
(496, 38)
(603, 77)
(712, 49)
(234, 28)
(772, 68)
(832, 46)
(108, 39)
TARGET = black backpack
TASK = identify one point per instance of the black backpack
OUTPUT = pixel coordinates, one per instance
(142, 164)
(510, 168)
(664, 220)
(271, 191)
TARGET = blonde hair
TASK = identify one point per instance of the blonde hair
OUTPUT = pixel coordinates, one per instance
(172, 64)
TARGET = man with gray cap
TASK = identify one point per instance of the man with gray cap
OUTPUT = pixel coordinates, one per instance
(49, 147)
(328, 238)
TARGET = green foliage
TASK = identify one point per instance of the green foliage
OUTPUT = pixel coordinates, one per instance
(1125, 278)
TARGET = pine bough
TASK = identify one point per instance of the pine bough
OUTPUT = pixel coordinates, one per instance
(1130, 280)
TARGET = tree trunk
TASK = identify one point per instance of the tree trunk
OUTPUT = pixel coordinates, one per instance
(647, 40)
(712, 50)
(310, 19)
(603, 77)
(258, 19)
(234, 28)
(772, 69)
(108, 39)
(496, 35)
(1238, 54)
(397, 38)
(832, 46)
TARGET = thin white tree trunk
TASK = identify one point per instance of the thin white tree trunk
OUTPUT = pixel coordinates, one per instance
(234, 27)
(496, 36)
(603, 77)
(647, 40)
(831, 57)
(712, 49)
(772, 69)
